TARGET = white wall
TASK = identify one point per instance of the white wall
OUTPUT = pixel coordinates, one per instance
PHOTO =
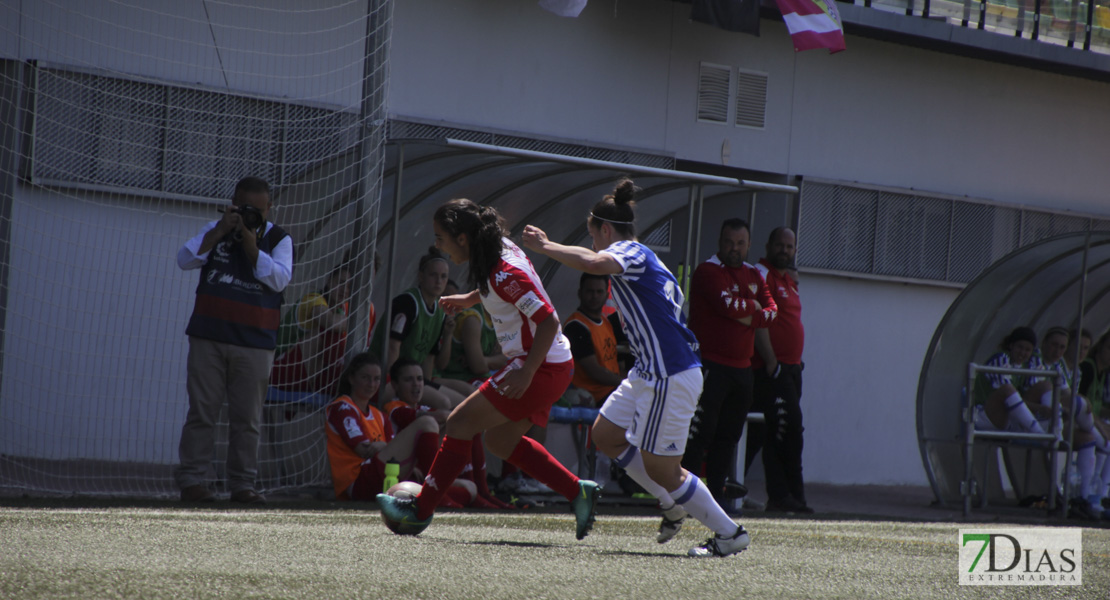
(865, 342)
(289, 48)
(625, 73)
(94, 341)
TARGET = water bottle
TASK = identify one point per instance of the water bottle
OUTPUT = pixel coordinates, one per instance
(392, 471)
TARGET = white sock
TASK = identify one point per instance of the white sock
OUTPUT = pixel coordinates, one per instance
(633, 464)
(1016, 409)
(1105, 477)
(1085, 461)
(1046, 398)
(699, 502)
(1100, 442)
(1083, 418)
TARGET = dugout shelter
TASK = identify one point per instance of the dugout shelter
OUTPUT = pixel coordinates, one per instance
(554, 192)
(1040, 286)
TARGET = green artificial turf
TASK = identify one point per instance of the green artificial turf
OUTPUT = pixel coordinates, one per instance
(126, 552)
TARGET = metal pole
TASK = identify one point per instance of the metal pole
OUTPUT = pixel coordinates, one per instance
(752, 214)
(969, 443)
(687, 265)
(1075, 386)
(697, 243)
(384, 356)
(369, 146)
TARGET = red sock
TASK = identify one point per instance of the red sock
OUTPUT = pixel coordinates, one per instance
(425, 449)
(537, 462)
(507, 469)
(480, 502)
(449, 462)
(459, 495)
(448, 502)
(478, 461)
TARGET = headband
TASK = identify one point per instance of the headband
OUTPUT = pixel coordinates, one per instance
(609, 220)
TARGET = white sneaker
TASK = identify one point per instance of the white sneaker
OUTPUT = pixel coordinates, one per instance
(722, 546)
(672, 523)
(531, 486)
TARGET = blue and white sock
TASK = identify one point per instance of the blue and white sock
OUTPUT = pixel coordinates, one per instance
(633, 463)
(1016, 409)
(699, 502)
(1085, 462)
(1104, 476)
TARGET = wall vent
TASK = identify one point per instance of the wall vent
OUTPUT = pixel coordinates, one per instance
(751, 99)
(714, 89)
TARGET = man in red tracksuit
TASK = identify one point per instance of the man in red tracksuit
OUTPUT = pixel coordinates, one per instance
(728, 302)
(777, 366)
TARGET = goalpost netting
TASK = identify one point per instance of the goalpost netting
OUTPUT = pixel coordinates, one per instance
(124, 126)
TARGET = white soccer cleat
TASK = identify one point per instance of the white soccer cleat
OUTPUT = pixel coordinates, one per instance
(722, 546)
(671, 524)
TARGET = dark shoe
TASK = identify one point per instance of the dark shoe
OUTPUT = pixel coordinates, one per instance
(248, 497)
(1080, 509)
(787, 505)
(1034, 502)
(197, 493)
(734, 490)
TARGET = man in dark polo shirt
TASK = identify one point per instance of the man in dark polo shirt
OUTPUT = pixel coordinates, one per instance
(777, 367)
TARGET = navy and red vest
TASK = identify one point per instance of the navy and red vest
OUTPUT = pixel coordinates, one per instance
(232, 306)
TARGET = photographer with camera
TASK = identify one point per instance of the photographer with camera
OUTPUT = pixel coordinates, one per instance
(245, 263)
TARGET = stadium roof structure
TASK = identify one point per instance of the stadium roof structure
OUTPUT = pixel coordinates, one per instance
(552, 191)
(1039, 286)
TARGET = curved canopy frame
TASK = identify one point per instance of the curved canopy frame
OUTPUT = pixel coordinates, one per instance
(553, 191)
(1039, 286)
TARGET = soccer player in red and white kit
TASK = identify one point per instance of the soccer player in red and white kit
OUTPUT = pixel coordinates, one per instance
(777, 366)
(522, 392)
(728, 302)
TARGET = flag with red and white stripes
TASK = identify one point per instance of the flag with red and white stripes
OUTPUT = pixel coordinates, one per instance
(813, 24)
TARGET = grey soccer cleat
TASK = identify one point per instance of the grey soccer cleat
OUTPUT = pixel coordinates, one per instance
(671, 524)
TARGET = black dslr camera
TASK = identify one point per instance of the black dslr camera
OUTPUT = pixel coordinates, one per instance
(252, 217)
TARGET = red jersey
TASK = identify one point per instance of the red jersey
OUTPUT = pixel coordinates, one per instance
(719, 295)
(517, 302)
(787, 334)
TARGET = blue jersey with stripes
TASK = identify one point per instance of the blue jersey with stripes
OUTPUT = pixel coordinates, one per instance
(650, 303)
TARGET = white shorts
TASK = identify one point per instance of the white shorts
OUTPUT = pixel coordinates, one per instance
(655, 412)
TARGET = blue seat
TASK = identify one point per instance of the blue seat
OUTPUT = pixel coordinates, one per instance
(314, 399)
(581, 419)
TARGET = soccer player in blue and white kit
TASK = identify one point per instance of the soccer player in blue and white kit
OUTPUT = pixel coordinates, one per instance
(644, 423)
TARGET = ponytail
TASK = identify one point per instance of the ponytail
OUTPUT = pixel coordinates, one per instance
(483, 227)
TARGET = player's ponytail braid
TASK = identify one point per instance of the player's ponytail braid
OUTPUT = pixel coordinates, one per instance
(616, 209)
(483, 227)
